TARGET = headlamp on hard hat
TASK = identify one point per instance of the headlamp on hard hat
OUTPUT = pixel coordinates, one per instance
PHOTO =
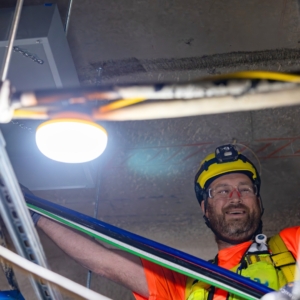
(226, 153)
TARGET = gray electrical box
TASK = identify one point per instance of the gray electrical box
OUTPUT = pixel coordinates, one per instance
(41, 58)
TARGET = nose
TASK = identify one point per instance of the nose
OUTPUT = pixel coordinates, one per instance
(235, 194)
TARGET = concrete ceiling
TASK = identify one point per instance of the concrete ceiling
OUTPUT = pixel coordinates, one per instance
(146, 175)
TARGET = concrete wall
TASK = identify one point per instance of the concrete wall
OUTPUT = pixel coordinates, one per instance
(147, 171)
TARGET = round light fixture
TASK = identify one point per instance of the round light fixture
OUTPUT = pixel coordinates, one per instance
(71, 140)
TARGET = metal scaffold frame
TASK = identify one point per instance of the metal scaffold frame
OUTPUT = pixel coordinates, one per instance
(12, 205)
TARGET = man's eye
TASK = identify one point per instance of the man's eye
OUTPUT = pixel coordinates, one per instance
(223, 191)
(246, 190)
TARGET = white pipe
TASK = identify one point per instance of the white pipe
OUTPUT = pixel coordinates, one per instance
(50, 276)
(204, 106)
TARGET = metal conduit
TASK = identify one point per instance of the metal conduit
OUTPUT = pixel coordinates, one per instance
(11, 39)
(68, 17)
(18, 222)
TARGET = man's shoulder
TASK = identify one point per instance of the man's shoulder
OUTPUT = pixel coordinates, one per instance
(291, 238)
(290, 231)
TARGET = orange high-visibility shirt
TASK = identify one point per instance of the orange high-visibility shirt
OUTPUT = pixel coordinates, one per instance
(164, 284)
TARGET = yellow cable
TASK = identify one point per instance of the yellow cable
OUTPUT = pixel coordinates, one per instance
(260, 75)
(29, 114)
(119, 104)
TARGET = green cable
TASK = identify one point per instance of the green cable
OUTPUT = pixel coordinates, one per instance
(141, 253)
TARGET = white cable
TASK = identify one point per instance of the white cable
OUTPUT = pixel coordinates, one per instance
(143, 254)
(50, 276)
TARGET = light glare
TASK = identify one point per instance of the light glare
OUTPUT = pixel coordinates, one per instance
(71, 141)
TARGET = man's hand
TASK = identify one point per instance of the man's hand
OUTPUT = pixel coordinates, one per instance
(275, 296)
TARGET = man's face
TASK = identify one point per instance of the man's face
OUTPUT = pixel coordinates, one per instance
(235, 217)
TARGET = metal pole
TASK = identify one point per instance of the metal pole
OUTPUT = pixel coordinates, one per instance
(88, 279)
(68, 17)
(89, 275)
(12, 35)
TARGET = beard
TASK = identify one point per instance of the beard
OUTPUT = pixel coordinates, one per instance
(234, 230)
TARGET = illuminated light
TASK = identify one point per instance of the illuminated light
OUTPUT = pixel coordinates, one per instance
(71, 140)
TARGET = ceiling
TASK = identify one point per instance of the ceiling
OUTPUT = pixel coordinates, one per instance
(145, 177)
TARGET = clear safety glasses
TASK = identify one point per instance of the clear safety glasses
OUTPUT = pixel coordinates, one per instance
(226, 191)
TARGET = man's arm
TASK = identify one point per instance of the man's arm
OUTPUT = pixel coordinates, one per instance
(119, 266)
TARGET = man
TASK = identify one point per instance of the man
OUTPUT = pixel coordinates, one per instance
(227, 186)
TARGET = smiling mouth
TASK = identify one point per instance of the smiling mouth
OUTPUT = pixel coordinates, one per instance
(236, 212)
